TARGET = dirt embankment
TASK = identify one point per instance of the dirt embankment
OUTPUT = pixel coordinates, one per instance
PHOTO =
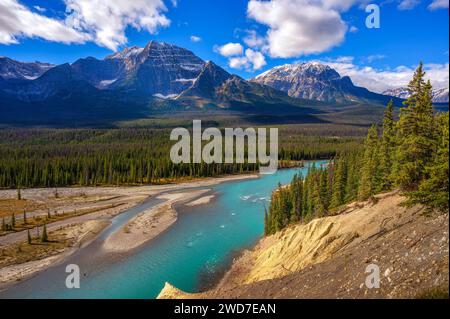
(328, 257)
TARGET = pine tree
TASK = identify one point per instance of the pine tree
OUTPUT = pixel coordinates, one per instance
(339, 182)
(19, 194)
(24, 217)
(434, 191)
(13, 220)
(387, 147)
(416, 139)
(377, 178)
(319, 209)
(28, 237)
(3, 224)
(306, 197)
(369, 168)
(44, 237)
(296, 188)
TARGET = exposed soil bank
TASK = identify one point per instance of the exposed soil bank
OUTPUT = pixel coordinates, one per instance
(327, 257)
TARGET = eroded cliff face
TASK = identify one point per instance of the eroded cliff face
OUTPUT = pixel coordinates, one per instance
(327, 257)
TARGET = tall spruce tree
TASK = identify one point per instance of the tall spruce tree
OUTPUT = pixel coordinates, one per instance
(296, 188)
(387, 147)
(416, 139)
(434, 190)
(367, 186)
(339, 183)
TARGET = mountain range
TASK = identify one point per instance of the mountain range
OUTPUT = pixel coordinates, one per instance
(438, 95)
(156, 76)
(162, 78)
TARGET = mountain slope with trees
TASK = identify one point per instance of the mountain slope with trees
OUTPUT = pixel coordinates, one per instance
(411, 155)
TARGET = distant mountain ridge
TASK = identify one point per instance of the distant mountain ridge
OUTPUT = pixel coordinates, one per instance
(134, 83)
(162, 71)
(14, 70)
(317, 81)
(439, 95)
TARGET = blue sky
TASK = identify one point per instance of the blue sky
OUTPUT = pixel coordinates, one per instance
(262, 33)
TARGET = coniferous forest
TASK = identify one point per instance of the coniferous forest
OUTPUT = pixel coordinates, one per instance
(129, 156)
(410, 154)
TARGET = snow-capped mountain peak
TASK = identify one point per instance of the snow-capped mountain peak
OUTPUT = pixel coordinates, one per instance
(126, 53)
(309, 80)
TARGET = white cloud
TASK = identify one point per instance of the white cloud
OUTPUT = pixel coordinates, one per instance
(255, 58)
(251, 61)
(106, 21)
(230, 49)
(254, 40)
(408, 4)
(40, 9)
(300, 27)
(195, 38)
(353, 29)
(103, 22)
(374, 57)
(17, 21)
(438, 4)
(238, 62)
(379, 80)
(345, 59)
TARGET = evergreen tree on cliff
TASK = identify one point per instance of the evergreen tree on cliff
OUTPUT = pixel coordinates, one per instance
(415, 140)
(368, 182)
(387, 147)
(339, 183)
(434, 191)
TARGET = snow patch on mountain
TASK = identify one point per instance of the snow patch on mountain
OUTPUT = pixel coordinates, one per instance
(105, 83)
(185, 80)
(165, 97)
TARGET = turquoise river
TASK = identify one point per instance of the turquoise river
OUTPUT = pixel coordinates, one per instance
(192, 253)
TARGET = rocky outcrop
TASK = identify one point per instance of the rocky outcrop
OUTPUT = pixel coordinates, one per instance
(317, 81)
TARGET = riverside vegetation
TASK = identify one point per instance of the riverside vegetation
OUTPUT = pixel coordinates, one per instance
(410, 154)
